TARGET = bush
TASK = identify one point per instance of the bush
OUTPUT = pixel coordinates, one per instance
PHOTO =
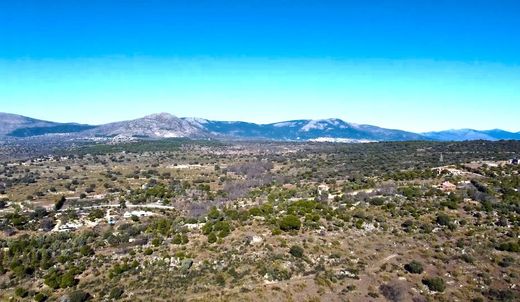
(56, 280)
(377, 201)
(223, 228)
(443, 219)
(501, 295)
(67, 280)
(290, 222)
(86, 251)
(276, 232)
(435, 284)
(212, 238)
(296, 251)
(39, 297)
(393, 291)
(414, 267)
(509, 247)
(79, 296)
(116, 293)
(180, 239)
(507, 261)
(21, 292)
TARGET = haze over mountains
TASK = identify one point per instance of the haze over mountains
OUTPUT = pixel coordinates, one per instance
(165, 125)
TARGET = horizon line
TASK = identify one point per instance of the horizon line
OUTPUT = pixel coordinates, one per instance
(262, 124)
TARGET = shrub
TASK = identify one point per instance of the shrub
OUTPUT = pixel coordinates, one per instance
(156, 241)
(39, 297)
(408, 225)
(414, 267)
(501, 295)
(435, 284)
(220, 280)
(443, 219)
(276, 232)
(21, 292)
(507, 261)
(79, 296)
(67, 280)
(377, 201)
(54, 279)
(223, 228)
(212, 238)
(116, 293)
(86, 251)
(509, 247)
(96, 214)
(296, 251)
(393, 291)
(290, 222)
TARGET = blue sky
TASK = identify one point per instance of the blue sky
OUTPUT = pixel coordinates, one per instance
(415, 65)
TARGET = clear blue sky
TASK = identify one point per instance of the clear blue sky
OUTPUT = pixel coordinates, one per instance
(415, 65)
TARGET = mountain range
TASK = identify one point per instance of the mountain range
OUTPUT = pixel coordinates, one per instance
(165, 125)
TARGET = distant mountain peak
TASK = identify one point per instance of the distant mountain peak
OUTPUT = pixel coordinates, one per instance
(160, 116)
(158, 125)
(324, 124)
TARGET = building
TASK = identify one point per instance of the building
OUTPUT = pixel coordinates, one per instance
(448, 186)
(137, 214)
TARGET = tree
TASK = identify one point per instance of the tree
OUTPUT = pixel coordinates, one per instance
(60, 203)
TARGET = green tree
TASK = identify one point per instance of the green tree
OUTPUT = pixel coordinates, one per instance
(289, 223)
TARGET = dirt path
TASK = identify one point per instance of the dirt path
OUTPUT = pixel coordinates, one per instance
(374, 267)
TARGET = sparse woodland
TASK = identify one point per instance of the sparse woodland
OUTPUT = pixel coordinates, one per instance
(181, 220)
